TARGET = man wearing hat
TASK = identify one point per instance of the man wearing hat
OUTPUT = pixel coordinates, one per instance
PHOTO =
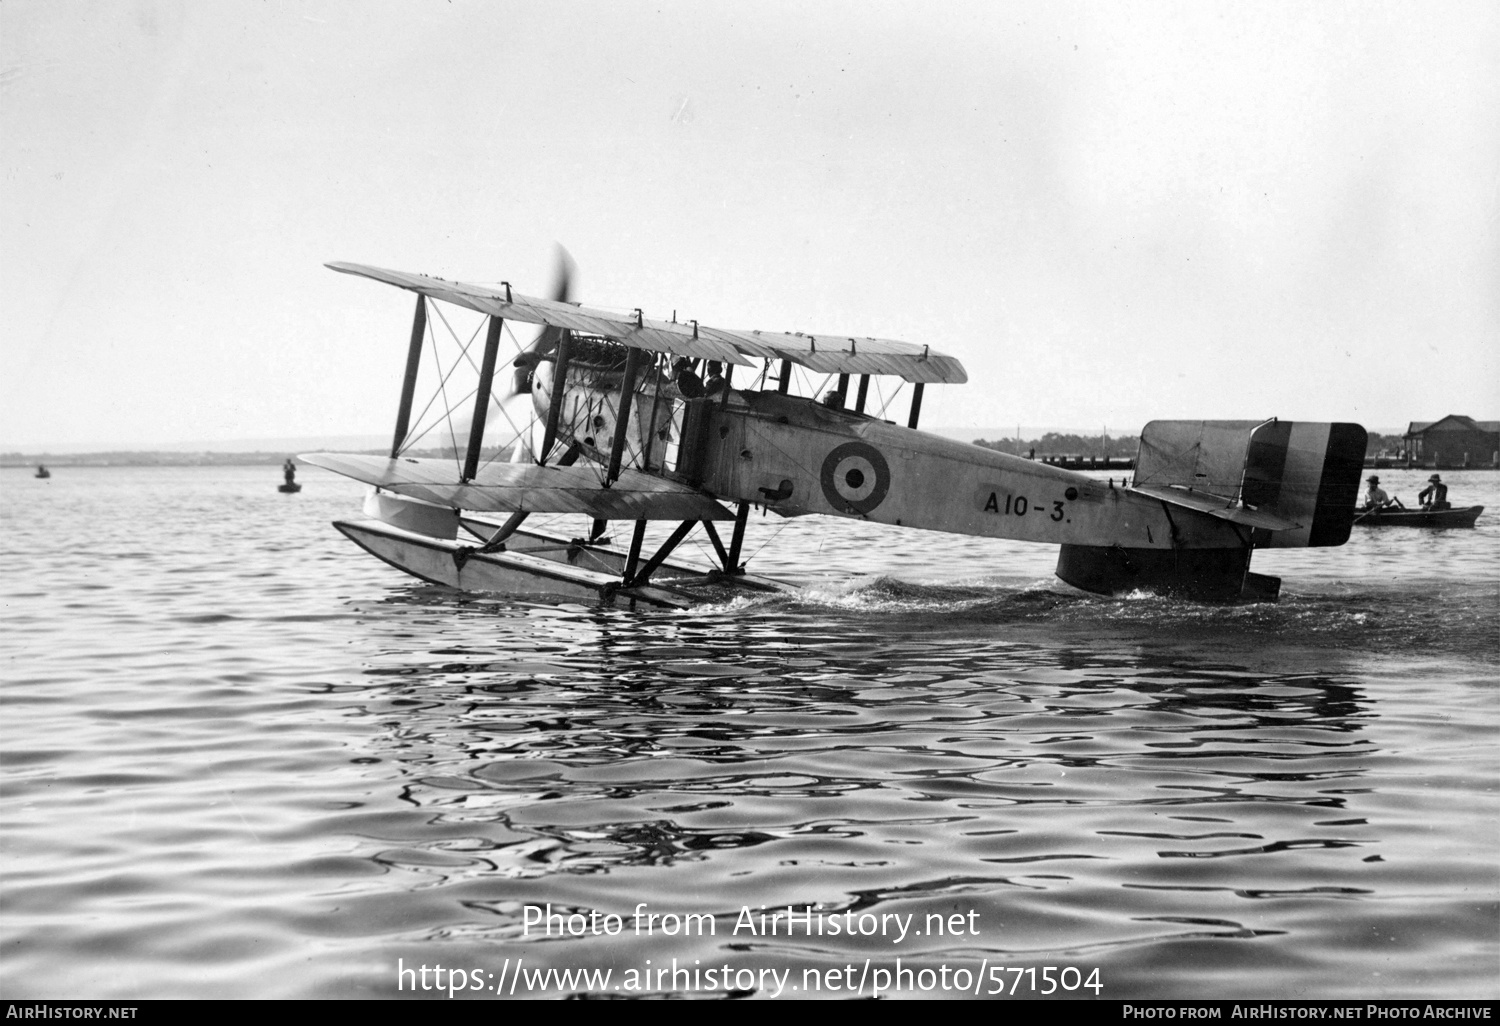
(1375, 497)
(1435, 495)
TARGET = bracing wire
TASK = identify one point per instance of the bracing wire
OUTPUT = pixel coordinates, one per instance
(886, 400)
(447, 415)
(783, 527)
(500, 405)
(442, 380)
(464, 356)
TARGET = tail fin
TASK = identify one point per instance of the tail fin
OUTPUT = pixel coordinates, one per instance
(1303, 472)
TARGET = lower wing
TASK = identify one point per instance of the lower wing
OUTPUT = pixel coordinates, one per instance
(525, 487)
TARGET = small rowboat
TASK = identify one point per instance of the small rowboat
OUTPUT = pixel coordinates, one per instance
(1456, 517)
(289, 488)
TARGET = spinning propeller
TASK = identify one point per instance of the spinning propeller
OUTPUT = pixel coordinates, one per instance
(541, 348)
(547, 341)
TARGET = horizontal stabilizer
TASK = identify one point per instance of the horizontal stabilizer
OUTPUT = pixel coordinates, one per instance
(1214, 506)
(518, 487)
(1296, 479)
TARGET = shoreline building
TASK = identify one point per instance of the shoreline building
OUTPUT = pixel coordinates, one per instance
(1453, 443)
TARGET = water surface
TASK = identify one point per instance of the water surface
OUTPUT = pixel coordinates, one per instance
(243, 759)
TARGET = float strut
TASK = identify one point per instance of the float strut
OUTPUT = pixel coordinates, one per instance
(635, 551)
(737, 539)
(515, 520)
(713, 536)
(640, 578)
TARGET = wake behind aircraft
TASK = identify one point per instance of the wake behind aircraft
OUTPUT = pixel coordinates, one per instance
(638, 420)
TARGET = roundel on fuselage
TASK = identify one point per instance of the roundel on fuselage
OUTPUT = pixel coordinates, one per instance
(855, 477)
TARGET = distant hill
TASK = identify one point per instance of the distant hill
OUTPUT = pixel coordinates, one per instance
(970, 434)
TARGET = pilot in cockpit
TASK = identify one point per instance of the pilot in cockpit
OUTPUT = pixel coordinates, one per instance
(715, 383)
(686, 379)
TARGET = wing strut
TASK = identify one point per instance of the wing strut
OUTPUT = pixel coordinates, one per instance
(843, 391)
(482, 399)
(651, 424)
(409, 383)
(554, 406)
(916, 406)
(622, 418)
(864, 390)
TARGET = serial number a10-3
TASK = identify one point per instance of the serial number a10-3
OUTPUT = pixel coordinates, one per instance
(1019, 505)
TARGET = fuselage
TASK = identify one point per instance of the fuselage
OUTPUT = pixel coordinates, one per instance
(795, 456)
(799, 456)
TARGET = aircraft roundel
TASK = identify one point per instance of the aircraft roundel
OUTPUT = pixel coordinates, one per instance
(855, 477)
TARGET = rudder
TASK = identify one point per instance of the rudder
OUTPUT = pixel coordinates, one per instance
(1302, 471)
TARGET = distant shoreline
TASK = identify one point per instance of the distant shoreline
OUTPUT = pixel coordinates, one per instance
(19, 461)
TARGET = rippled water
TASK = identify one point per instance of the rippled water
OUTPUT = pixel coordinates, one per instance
(244, 759)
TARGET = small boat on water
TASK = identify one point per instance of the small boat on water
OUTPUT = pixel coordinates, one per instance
(1457, 517)
(289, 488)
(42, 472)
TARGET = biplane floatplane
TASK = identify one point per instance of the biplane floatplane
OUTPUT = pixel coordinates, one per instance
(637, 420)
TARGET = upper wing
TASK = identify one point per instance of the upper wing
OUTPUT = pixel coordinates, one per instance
(517, 487)
(826, 354)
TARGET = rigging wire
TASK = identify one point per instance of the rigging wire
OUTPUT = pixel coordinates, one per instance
(442, 380)
(886, 400)
(500, 405)
(447, 415)
(785, 524)
(464, 355)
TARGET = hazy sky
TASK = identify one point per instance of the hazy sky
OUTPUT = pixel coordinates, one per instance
(1111, 212)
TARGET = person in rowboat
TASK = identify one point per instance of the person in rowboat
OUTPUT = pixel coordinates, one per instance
(1375, 498)
(1435, 496)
